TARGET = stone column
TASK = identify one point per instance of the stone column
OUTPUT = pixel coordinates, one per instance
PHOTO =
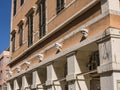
(73, 70)
(110, 5)
(51, 76)
(24, 83)
(109, 69)
(16, 86)
(9, 86)
(36, 79)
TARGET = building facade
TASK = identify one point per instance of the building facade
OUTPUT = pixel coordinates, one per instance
(65, 45)
(4, 60)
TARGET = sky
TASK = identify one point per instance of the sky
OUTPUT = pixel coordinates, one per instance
(5, 15)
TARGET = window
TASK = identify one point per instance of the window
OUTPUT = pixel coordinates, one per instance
(0, 74)
(7, 60)
(30, 29)
(0, 62)
(42, 19)
(13, 41)
(21, 3)
(21, 34)
(94, 61)
(60, 5)
(14, 7)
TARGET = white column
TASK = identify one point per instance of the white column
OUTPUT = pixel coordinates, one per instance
(108, 5)
(36, 79)
(24, 82)
(73, 70)
(16, 86)
(9, 86)
(51, 76)
(109, 68)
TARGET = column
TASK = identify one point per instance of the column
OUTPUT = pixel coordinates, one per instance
(24, 83)
(16, 86)
(73, 70)
(110, 5)
(36, 79)
(9, 86)
(51, 76)
(109, 69)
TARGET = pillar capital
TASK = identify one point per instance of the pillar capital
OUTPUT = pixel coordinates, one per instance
(35, 79)
(16, 86)
(24, 82)
(9, 86)
(71, 53)
(51, 76)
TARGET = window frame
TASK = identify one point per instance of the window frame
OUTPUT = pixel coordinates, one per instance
(21, 2)
(94, 61)
(42, 18)
(13, 40)
(1, 75)
(1, 62)
(30, 29)
(60, 5)
(21, 33)
(14, 7)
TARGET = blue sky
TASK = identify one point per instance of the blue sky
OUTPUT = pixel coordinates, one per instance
(5, 12)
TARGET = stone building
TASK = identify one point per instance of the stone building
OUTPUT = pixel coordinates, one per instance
(4, 60)
(65, 45)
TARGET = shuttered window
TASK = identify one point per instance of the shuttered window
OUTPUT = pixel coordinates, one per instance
(20, 34)
(21, 3)
(42, 19)
(30, 29)
(60, 5)
(14, 7)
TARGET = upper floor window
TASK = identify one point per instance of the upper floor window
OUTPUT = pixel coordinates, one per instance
(0, 74)
(13, 40)
(21, 34)
(60, 5)
(13, 43)
(0, 62)
(7, 60)
(21, 2)
(42, 19)
(30, 29)
(14, 7)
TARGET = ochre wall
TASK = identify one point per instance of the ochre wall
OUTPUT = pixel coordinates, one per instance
(54, 21)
